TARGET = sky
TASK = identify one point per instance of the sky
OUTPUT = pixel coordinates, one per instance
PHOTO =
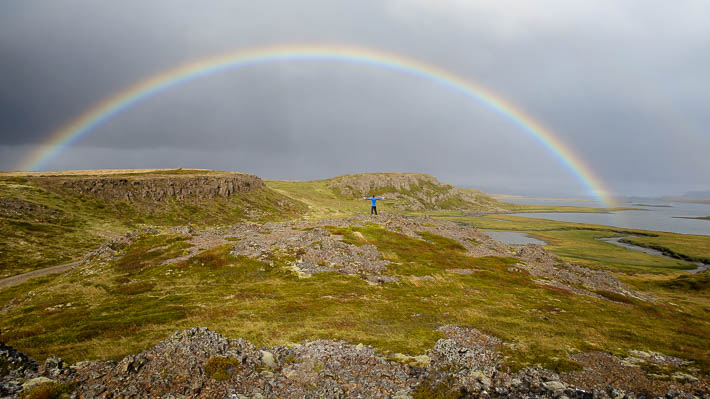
(624, 84)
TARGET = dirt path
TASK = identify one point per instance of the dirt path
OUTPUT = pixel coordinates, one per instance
(21, 278)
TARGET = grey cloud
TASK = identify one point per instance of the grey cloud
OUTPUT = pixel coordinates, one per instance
(622, 83)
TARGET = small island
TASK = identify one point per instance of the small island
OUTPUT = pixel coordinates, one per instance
(692, 217)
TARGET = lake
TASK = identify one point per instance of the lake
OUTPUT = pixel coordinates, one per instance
(669, 217)
(514, 238)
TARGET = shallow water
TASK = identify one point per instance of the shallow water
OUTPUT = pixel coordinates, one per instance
(668, 219)
(617, 241)
(513, 238)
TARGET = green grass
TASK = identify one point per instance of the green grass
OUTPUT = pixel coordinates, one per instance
(222, 368)
(430, 389)
(689, 282)
(322, 201)
(26, 246)
(119, 310)
(144, 253)
(72, 224)
(681, 246)
(105, 311)
(50, 390)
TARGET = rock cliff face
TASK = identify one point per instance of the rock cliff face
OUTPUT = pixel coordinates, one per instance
(160, 188)
(364, 184)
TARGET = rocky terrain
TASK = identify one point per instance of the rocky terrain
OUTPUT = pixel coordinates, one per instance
(15, 208)
(199, 363)
(158, 187)
(315, 249)
(413, 191)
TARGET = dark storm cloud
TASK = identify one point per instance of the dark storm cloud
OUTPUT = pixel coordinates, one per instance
(622, 83)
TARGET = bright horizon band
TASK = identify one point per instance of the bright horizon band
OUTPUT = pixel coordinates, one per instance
(130, 96)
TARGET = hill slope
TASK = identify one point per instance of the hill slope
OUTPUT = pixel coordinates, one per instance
(49, 218)
(413, 192)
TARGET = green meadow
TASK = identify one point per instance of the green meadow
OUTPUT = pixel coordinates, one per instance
(108, 309)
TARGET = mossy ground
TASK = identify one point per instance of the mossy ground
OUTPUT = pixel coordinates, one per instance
(105, 311)
(80, 223)
(51, 390)
(323, 201)
(129, 304)
(222, 368)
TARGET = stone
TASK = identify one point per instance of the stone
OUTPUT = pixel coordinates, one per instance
(53, 363)
(615, 393)
(35, 381)
(683, 377)
(267, 359)
(482, 378)
(554, 386)
(402, 394)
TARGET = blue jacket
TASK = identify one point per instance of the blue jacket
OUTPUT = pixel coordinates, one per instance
(373, 200)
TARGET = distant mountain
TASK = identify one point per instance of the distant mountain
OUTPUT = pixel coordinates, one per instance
(699, 195)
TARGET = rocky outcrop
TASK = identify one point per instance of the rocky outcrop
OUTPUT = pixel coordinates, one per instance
(14, 366)
(199, 363)
(309, 247)
(314, 249)
(413, 191)
(16, 208)
(363, 184)
(161, 188)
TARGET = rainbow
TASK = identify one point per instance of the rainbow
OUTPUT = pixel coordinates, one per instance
(111, 106)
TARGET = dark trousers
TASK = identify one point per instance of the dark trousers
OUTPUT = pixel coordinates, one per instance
(373, 210)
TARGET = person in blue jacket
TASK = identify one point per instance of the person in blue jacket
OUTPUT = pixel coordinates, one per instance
(374, 204)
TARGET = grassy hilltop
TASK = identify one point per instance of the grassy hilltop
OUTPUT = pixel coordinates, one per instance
(402, 192)
(283, 262)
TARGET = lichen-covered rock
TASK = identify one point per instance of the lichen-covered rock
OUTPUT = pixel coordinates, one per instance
(314, 249)
(15, 368)
(466, 363)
